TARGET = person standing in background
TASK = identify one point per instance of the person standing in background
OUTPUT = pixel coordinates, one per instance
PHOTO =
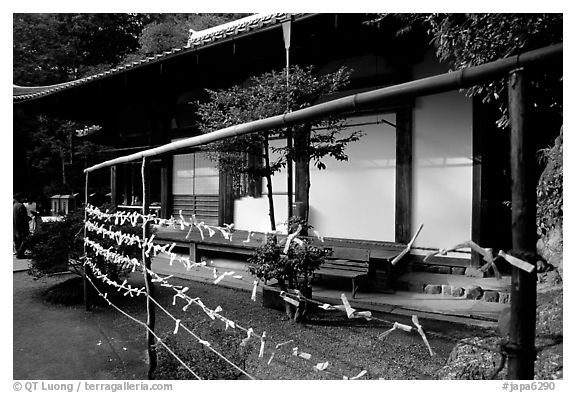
(32, 212)
(21, 226)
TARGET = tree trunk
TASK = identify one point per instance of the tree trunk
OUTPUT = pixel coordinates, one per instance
(269, 183)
(302, 161)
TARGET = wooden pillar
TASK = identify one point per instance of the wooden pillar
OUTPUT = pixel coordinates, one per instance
(225, 199)
(490, 181)
(166, 187)
(520, 349)
(302, 166)
(150, 308)
(403, 231)
(113, 185)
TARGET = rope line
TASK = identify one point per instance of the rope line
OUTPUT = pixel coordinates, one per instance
(200, 340)
(146, 326)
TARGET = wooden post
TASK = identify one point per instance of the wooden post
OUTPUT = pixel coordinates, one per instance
(113, 185)
(403, 210)
(286, 30)
(85, 279)
(166, 187)
(150, 309)
(520, 349)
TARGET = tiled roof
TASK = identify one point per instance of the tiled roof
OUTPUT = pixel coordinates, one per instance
(196, 40)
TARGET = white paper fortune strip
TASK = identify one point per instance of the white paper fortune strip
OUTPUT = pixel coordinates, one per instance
(519, 263)
(222, 276)
(396, 325)
(321, 366)
(249, 334)
(303, 355)
(421, 331)
(253, 297)
(408, 247)
(288, 299)
(290, 238)
(352, 313)
(276, 348)
(262, 343)
(362, 373)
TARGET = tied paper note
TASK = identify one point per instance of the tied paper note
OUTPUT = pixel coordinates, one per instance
(351, 312)
(254, 291)
(288, 299)
(519, 263)
(421, 332)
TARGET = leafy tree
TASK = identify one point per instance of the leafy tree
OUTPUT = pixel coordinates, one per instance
(168, 31)
(268, 95)
(55, 48)
(466, 40)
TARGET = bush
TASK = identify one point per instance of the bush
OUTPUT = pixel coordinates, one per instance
(55, 243)
(294, 270)
(205, 363)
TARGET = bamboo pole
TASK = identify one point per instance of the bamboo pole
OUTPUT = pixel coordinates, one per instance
(417, 88)
(150, 308)
(521, 352)
(287, 29)
(85, 279)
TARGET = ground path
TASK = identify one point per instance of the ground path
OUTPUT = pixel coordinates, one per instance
(66, 342)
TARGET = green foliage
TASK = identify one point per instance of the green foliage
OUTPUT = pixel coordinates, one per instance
(60, 245)
(55, 48)
(200, 359)
(292, 270)
(169, 31)
(55, 243)
(466, 40)
(269, 95)
(53, 155)
(550, 189)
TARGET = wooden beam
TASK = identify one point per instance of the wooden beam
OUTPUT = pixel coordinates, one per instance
(166, 186)
(226, 199)
(403, 231)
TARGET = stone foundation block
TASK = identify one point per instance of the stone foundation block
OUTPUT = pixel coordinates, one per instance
(457, 291)
(433, 289)
(491, 296)
(474, 292)
(444, 269)
(459, 270)
(474, 272)
(504, 297)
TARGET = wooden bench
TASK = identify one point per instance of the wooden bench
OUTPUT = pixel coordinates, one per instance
(347, 263)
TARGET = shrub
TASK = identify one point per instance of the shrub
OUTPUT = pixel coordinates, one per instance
(292, 270)
(59, 245)
(55, 243)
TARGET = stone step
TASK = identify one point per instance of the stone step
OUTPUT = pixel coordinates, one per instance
(460, 286)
